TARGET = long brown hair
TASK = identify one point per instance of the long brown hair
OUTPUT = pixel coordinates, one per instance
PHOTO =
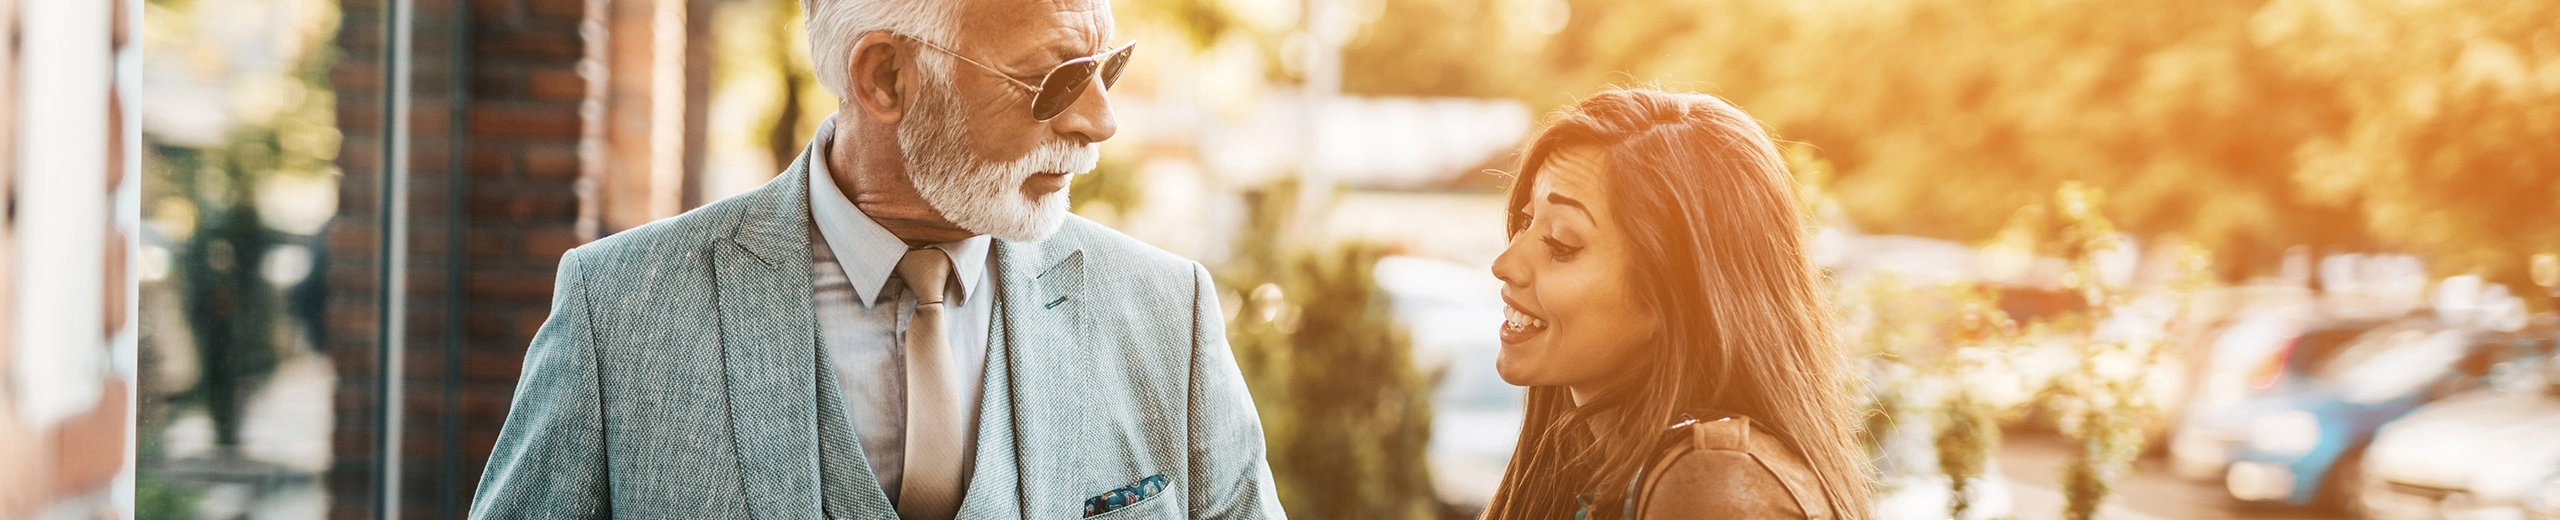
(1710, 208)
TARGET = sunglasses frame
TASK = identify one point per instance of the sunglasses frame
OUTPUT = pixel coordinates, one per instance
(1103, 66)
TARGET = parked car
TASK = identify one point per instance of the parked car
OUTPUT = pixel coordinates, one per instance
(2315, 407)
(2481, 454)
(2200, 447)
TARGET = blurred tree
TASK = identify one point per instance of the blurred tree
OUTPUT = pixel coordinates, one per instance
(786, 56)
(2453, 105)
(1462, 49)
(1203, 22)
(2247, 126)
(1113, 182)
(1346, 416)
(760, 68)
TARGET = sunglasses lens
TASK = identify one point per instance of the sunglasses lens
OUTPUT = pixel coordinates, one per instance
(1064, 86)
(1113, 65)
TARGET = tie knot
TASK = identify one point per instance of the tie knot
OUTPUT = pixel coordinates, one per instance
(925, 269)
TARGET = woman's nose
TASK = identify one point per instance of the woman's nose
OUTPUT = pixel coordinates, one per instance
(1507, 267)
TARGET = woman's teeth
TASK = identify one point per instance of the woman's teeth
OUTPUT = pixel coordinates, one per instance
(1520, 321)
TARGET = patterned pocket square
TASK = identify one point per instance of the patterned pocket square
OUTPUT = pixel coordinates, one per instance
(1119, 498)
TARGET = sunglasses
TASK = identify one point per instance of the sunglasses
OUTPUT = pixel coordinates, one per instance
(1065, 83)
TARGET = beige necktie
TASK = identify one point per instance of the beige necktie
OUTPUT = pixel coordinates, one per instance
(930, 487)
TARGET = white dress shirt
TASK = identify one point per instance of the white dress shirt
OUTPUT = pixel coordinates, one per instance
(862, 320)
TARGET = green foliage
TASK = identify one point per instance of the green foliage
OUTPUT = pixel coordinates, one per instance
(789, 129)
(1346, 416)
(2102, 402)
(2104, 418)
(2109, 441)
(154, 497)
(1969, 433)
(1969, 425)
(761, 49)
(1112, 183)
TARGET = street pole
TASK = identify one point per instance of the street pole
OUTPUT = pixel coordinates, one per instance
(393, 265)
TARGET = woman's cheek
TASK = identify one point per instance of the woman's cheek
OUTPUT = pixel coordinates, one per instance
(1621, 328)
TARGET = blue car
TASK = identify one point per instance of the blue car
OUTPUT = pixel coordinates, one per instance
(2300, 435)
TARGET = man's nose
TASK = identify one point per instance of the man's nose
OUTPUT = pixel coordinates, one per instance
(1088, 119)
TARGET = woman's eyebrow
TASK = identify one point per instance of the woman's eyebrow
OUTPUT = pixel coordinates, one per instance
(1561, 200)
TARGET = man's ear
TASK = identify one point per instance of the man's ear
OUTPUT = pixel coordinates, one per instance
(881, 75)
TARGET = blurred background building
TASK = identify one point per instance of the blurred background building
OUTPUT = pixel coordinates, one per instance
(350, 211)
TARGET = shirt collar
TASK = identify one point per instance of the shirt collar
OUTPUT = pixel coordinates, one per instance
(867, 252)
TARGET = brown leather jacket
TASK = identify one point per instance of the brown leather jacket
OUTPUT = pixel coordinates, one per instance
(1724, 467)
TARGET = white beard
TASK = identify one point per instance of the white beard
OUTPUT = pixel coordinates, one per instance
(979, 195)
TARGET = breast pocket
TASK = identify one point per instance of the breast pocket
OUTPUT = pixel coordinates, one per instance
(1163, 505)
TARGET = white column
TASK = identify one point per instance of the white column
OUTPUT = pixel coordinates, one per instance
(62, 216)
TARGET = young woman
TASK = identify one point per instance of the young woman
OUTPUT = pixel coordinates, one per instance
(1666, 319)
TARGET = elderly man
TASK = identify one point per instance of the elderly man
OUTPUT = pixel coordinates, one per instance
(906, 323)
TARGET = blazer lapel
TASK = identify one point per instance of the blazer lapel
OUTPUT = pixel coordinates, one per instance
(768, 337)
(993, 482)
(1039, 315)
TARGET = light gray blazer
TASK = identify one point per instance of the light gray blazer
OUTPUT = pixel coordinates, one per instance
(679, 376)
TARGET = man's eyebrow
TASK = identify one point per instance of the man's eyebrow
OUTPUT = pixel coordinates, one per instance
(1080, 48)
(1045, 57)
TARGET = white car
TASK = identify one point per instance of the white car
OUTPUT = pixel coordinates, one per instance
(2486, 454)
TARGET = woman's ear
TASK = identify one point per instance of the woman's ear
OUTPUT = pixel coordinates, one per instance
(882, 71)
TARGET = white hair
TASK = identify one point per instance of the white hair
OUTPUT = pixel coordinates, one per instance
(834, 25)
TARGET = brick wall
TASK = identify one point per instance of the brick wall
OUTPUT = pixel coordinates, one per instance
(512, 163)
(496, 127)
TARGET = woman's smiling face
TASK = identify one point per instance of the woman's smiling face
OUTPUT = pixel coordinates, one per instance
(1573, 317)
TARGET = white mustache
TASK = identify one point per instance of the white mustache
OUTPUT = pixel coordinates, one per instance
(1059, 157)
